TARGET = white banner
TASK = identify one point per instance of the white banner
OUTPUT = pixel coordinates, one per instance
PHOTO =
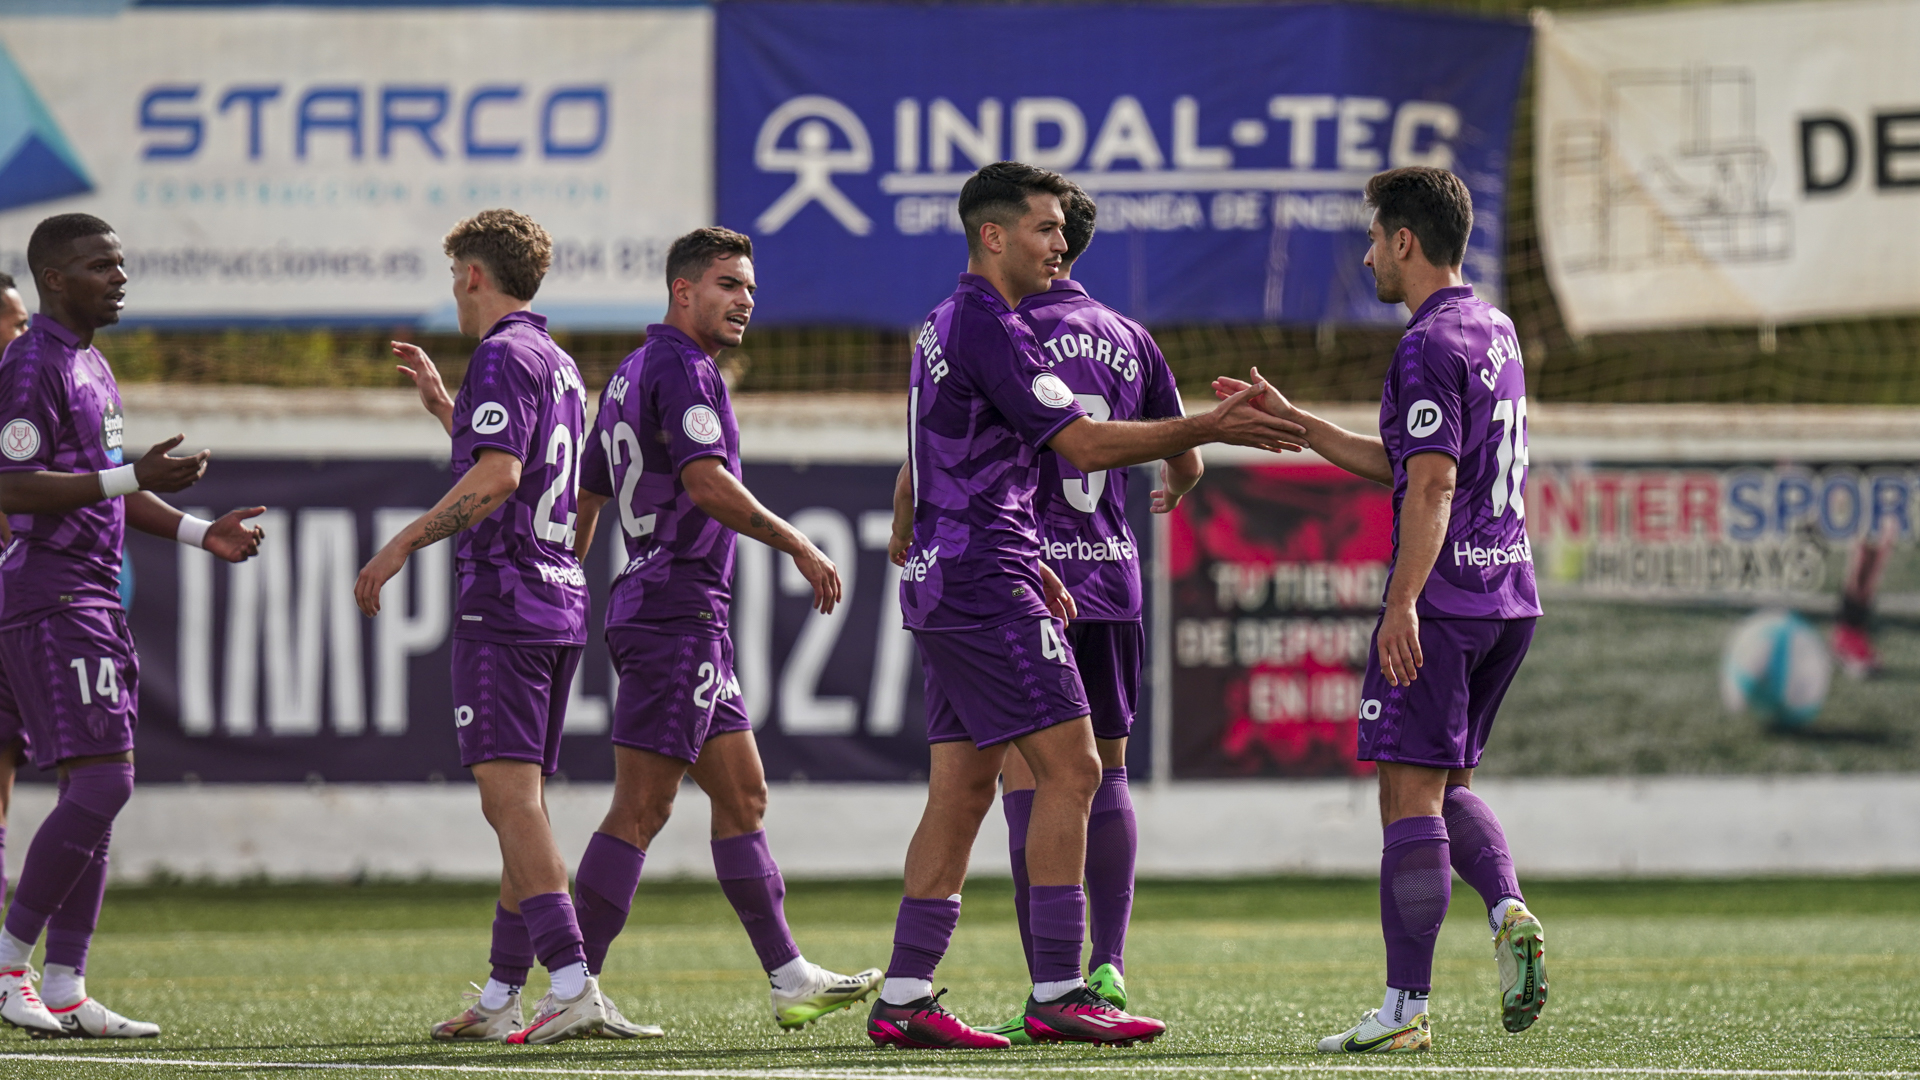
(303, 164)
(1738, 164)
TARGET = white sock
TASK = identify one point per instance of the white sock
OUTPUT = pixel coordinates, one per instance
(793, 975)
(906, 991)
(1402, 1006)
(14, 953)
(1054, 991)
(569, 982)
(62, 986)
(1498, 914)
(493, 996)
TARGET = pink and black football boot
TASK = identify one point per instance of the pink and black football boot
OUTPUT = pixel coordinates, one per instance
(924, 1025)
(1084, 1016)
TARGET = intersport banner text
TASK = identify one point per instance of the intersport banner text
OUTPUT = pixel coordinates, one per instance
(1228, 147)
(1730, 164)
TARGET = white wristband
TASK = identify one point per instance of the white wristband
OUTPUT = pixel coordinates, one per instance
(193, 531)
(117, 482)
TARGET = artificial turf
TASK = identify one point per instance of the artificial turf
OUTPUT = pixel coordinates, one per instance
(1655, 978)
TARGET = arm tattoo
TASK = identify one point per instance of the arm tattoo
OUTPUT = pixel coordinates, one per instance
(759, 521)
(450, 521)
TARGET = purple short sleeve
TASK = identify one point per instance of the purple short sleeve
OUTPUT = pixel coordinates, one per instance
(691, 405)
(1162, 399)
(1035, 401)
(35, 410)
(1427, 384)
(505, 409)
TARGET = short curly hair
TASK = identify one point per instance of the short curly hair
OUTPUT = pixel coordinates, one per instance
(1081, 213)
(692, 254)
(512, 246)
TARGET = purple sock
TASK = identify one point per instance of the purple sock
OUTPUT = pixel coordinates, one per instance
(920, 937)
(603, 893)
(752, 882)
(552, 928)
(1059, 927)
(62, 851)
(1113, 840)
(1416, 882)
(3, 867)
(1018, 806)
(512, 954)
(70, 931)
(1479, 847)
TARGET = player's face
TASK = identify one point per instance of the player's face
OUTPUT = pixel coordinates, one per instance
(721, 302)
(1035, 246)
(467, 279)
(91, 283)
(13, 316)
(1386, 268)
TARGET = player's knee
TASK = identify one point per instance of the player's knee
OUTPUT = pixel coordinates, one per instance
(101, 790)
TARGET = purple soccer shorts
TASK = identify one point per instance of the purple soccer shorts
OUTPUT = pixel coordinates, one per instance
(510, 701)
(677, 690)
(1442, 720)
(1108, 656)
(76, 683)
(999, 683)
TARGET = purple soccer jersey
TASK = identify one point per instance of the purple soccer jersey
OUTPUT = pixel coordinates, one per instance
(1457, 387)
(518, 580)
(1116, 372)
(981, 406)
(666, 406)
(62, 415)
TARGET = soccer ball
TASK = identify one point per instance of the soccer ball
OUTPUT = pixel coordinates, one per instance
(1776, 669)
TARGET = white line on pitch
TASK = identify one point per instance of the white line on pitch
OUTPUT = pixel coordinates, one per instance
(882, 1071)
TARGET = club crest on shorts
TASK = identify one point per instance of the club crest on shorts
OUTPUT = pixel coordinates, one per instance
(1051, 391)
(702, 425)
(490, 419)
(1423, 419)
(19, 440)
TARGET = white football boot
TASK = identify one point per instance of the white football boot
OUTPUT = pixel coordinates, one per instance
(88, 1019)
(20, 1004)
(1370, 1036)
(554, 1019)
(824, 992)
(479, 1024)
(619, 1027)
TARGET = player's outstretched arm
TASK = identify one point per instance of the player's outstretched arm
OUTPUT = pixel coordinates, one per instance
(1423, 530)
(586, 518)
(229, 536)
(479, 493)
(62, 493)
(1095, 446)
(902, 538)
(1364, 456)
(1178, 475)
(415, 364)
(726, 500)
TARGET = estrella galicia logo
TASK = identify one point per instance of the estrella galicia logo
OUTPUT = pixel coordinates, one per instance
(113, 432)
(36, 162)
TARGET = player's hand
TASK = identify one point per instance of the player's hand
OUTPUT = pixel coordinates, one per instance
(897, 546)
(415, 364)
(230, 538)
(1399, 645)
(1165, 499)
(1273, 401)
(820, 573)
(373, 576)
(1059, 600)
(1239, 419)
(157, 471)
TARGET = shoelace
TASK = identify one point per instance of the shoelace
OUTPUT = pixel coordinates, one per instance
(934, 1008)
(27, 977)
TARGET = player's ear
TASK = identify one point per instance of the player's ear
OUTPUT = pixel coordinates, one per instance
(993, 237)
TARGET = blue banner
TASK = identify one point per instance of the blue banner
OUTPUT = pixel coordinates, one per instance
(1227, 147)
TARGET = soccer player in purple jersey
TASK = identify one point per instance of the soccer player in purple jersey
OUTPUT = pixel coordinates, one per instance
(13, 747)
(999, 670)
(518, 425)
(1116, 372)
(665, 455)
(65, 647)
(1460, 601)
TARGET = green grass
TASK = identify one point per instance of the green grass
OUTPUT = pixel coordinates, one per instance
(1650, 977)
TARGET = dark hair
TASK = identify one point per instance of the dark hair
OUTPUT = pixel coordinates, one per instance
(692, 254)
(999, 192)
(512, 246)
(51, 237)
(7, 282)
(1080, 212)
(1431, 202)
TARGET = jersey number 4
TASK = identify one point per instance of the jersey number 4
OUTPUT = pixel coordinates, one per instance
(1510, 461)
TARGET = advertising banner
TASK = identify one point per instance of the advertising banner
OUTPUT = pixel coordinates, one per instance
(1277, 573)
(1227, 146)
(266, 671)
(302, 164)
(1736, 164)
